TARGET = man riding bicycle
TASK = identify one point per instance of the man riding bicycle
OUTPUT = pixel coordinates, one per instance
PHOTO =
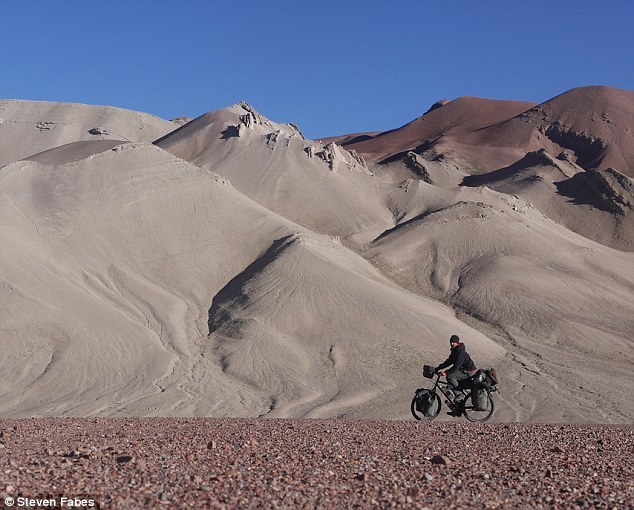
(462, 367)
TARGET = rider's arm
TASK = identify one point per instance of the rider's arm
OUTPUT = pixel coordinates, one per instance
(444, 364)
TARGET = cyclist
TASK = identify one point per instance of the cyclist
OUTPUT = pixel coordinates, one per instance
(462, 367)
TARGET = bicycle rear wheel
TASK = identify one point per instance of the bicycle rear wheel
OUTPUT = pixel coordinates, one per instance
(433, 409)
(473, 414)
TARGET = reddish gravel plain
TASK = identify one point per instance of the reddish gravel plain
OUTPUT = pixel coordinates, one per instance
(275, 463)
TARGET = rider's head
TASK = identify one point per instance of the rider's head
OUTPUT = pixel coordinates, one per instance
(454, 340)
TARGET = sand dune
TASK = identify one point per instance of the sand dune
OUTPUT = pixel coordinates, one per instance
(234, 268)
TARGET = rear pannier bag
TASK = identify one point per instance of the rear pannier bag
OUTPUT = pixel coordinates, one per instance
(480, 399)
(485, 379)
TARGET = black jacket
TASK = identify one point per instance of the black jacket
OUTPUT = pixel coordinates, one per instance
(459, 358)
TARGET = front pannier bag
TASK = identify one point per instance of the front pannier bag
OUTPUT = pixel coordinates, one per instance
(426, 402)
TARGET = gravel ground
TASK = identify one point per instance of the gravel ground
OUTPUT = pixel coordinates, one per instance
(267, 463)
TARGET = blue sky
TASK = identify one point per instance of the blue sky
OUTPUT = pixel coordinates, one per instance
(332, 67)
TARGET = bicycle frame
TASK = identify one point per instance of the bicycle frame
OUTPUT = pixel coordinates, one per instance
(442, 385)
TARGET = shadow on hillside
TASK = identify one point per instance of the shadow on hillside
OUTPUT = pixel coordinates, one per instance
(233, 293)
(230, 132)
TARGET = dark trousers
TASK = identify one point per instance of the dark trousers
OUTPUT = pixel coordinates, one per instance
(454, 377)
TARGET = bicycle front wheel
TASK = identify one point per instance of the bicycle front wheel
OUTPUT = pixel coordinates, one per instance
(479, 414)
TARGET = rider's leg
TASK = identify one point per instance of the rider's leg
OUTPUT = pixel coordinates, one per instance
(453, 378)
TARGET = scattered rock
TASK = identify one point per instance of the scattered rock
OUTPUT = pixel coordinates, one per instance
(271, 138)
(335, 156)
(76, 455)
(438, 104)
(441, 460)
(358, 158)
(99, 131)
(45, 126)
(565, 156)
(292, 125)
(181, 121)
(415, 163)
(252, 117)
(390, 472)
(331, 155)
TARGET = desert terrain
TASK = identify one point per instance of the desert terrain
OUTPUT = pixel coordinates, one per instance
(228, 267)
(294, 463)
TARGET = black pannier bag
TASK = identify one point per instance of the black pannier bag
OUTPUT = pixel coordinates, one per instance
(485, 379)
(426, 402)
(429, 371)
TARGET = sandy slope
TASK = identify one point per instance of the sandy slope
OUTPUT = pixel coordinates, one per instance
(321, 187)
(594, 204)
(529, 281)
(118, 259)
(137, 280)
(558, 302)
(29, 127)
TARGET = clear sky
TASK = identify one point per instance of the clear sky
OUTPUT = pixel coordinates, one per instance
(331, 66)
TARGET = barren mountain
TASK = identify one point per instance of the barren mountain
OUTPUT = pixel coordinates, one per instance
(444, 117)
(234, 268)
(594, 125)
(321, 186)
